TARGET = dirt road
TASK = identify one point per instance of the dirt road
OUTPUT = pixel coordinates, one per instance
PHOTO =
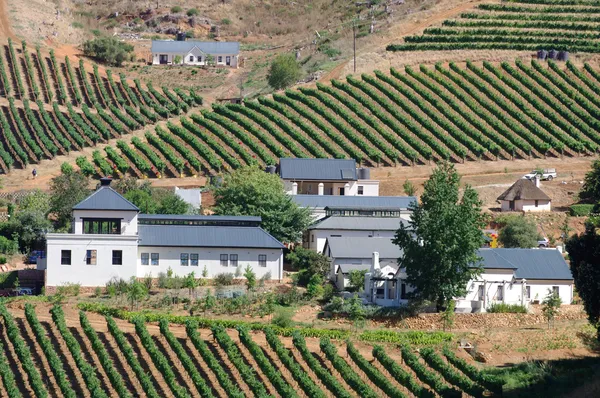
(5, 30)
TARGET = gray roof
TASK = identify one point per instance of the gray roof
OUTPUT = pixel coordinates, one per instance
(106, 198)
(352, 247)
(317, 169)
(360, 223)
(355, 202)
(186, 217)
(529, 263)
(206, 236)
(346, 268)
(208, 47)
(523, 189)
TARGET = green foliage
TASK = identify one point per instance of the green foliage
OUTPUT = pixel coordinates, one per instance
(252, 192)
(450, 374)
(439, 270)
(519, 231)
(417, 338)
(356, 280)
(409, 188)
(176, 9)
(314, 288)
(284, 71)
(507, 308)
(68, 289)
(250, 277)
(223, 279)
(8, 377)
(427, 376)
(492, 383)
(283, 317)
(581, 210)
(550, 306)
(136, 291)
(309, 263)
(402, 376)
(108, 50)
(448, 315)
(66, 190)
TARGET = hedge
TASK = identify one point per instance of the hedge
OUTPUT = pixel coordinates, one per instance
(581, 210)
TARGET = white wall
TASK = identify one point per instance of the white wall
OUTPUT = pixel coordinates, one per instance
(185, 57)
(527, 205)
(79, 271)
(366, 262)
(191, 196)
(320, 236)
(129, 225)
(370, 187)
(170, 257)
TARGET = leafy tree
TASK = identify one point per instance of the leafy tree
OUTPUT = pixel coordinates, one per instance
(177, 60)
(357, 280)
(66, 168)
(156, 200)
(357, 312)
(519, 232)
(309, 263)
(590, 191)
(250, 277)
(250, 191)
(190, 282)
(448, 315)
(29, 224)
(441, 240)
(66, 190)
(284, 71)
(584, 253)
(170, 203)
(315, 289)
(550, 306)
(108, 50)
(136, 291)
(409, 188)
(209, 60)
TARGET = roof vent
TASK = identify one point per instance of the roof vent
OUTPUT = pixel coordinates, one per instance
(105, 182)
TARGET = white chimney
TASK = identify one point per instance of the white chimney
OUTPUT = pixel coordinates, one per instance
(537, 180)
(346, 189)
(321, 188)
(295, 188)
(375, 262)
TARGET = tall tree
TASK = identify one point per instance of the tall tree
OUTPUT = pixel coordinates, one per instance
(250, 191)
(590, 191)
(66, 190)
(584, 253)
(284, 71)
(441, 240)
(519, 232)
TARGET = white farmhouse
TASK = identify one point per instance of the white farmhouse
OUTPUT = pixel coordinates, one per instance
(525, 195)
(111, 239)
(322, 206)
(195, 52)
(325, 177)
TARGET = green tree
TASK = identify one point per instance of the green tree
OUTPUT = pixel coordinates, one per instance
(315, 288)
(170, 203)
(250, 277)
(66, 190)
(284, 71)
(357, 312)
(584, 253)
(590, 191)
(308, 263)
(177, 59)
(108, 50)
(448, 315)
(441, 240)
(519, 232)
(356, 280)
(550, 306)
(409, 188)
(190, 282)
(250, 191)
(136, 291)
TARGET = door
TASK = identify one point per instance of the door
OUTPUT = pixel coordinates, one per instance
(342, 191)
(511, 205)
(162, 59)
(227, 60)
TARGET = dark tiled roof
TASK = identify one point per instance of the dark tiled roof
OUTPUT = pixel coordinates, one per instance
(360, 223)
(105, 198)
(317, 169)
(206, 236)
(352, 247)
(529, 263)
(208, 47)
(354, 202)
(523, 189)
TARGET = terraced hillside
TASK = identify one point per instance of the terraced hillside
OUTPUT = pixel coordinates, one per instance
(52, 107)
(570, 25)
(46, 354)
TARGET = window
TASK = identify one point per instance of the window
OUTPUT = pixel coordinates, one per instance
(312, 237)
(403, 291)
(102, 226)
(499, 293)
(528, 292)
(555, 290)
(262, 260)
(191, 58)
(233, 260)
(90, 257)
(480, 293)
(335, 236)
(154, 258)
(184, 259)
(200, 58)
(194, 259)
(224, 260)
(537, 202)
(117, 257)
(220, 59)
(361, 189)
(65, 257)
(145, 258)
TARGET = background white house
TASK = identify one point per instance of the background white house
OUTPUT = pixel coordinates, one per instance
(525, 195)
(195, 52)
(322, 206)
(111, 239)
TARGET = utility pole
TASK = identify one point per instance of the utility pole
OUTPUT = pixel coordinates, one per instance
(354, 34)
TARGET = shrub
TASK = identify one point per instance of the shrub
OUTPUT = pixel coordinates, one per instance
(223, 279)
(283, 317)
(507, 308)
(2, 259)
(284, 71)
(108, 50)
(8, 246)
(191, 12)
(176, 9)
(68, 289)
(581, 210)
(226, 21)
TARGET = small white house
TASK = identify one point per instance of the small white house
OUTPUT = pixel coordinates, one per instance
(198, 53)
(352, 253)
(325, 177)
(111, 239)
(525, 195)
(322, 206)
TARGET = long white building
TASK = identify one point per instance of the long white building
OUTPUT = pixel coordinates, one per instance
(111, 239)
